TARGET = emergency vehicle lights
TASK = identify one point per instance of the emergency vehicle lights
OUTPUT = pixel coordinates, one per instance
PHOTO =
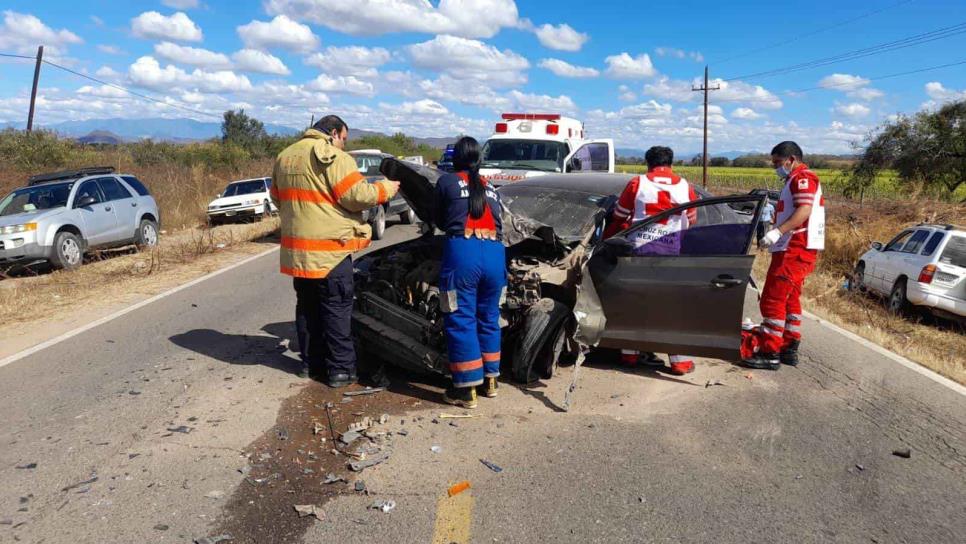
(553, 129)
(531, 116)
(927, 273)
(500, 128)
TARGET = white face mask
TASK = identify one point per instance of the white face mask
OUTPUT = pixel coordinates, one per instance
(782, 171)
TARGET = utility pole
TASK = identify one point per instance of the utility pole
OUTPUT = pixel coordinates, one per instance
(705, 89)
(33, 93)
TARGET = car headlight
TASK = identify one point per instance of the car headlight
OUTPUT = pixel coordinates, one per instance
(15, 229)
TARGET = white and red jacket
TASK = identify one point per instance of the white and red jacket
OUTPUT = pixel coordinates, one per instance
(802, 188)
(651, 194)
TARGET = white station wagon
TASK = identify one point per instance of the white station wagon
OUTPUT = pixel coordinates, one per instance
(923, 266)
(243, 199)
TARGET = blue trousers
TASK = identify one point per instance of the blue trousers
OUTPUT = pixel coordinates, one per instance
(471, 285)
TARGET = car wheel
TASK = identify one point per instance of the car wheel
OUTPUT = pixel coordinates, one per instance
(267, 212)
(541, 342)
(379, 223)
(898, 303)
(147, 235)
(408, 217)
(858, 279)
(68, 251)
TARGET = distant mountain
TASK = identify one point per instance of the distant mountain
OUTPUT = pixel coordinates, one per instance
(155, 129)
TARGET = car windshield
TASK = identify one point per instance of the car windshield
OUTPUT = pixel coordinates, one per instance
(570, 213)
(368, 164)
(544, 155)
(245, 188)
(36, 198)
(955, 252)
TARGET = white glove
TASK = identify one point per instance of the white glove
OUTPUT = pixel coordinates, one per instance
(771, 237)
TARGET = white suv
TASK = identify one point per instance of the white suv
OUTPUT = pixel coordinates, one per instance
(243, 199)
(923, 266)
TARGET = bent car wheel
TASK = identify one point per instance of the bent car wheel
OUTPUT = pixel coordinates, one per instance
(68, 251)
(541, 341)
(147, 234)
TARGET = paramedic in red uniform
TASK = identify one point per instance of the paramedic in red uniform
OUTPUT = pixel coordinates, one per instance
(794, 246)
(657, 191)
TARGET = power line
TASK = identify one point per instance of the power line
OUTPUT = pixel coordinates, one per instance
(11, 55)
(903, 43)
(814, 32)
(134, 93)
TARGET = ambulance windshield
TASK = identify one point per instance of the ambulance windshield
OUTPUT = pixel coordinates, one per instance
(543, 155)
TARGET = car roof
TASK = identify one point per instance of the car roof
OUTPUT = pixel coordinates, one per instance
(263, 178)
(602, 184)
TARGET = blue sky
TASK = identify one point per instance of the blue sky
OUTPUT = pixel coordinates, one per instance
(442, 67)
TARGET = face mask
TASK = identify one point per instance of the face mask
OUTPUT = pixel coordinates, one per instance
(782, 171)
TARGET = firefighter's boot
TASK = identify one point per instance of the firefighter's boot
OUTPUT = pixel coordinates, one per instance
(464, 397)
(762, 361)
(490, 386)
(789, 354)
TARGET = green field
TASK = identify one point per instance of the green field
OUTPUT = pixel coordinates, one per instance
(744, 179)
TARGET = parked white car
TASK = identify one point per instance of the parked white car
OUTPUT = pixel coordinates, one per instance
(243, 199)
(924, 266)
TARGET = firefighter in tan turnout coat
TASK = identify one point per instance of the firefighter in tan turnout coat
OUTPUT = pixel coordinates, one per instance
(321, 196)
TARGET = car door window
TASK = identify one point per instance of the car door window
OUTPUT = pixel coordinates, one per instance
(915, 242)
(701, 228)
(593, 158)
(112, 189)
(897, 242)
(88, 189)
(933, 243)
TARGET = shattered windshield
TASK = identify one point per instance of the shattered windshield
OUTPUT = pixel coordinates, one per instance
(39, 197)
(544, 155)
(570, 213)
(245, 188)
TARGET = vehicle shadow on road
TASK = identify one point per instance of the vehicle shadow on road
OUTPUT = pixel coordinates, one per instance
(246, 349)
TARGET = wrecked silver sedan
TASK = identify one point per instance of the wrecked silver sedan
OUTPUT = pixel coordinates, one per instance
(567, 289)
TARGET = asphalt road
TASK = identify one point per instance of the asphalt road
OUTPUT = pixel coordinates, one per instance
(167, 406)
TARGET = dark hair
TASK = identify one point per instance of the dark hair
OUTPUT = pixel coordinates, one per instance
(788, 149)
(659, 156)
(466, 157)
(329, 123)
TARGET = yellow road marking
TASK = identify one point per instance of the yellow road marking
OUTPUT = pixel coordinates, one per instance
(453, 516)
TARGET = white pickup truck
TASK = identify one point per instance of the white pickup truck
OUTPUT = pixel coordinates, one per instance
(525, 145)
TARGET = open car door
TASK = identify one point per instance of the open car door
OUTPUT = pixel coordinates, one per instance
(682, 292)
(592, 156)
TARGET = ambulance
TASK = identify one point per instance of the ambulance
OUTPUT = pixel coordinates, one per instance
(526, 145)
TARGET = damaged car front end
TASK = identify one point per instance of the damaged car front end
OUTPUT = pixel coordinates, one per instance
(556, 264)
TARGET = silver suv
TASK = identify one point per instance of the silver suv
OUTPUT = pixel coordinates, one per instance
(59, 216)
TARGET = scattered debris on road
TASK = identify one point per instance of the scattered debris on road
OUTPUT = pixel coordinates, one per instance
(359, 466)
(360, 486)
(436, 449)
(282, 433)
(905, 453)
(89, 481)
(713, 382)
(216, 494)
(184, 429)
(161, 527)
(456, 416)
(491, 466)
(305, 510)
(213, 539)
(860, 467)
(332, 478)
(382, 504)
(366, 391)
(456, 489)
(28, 466)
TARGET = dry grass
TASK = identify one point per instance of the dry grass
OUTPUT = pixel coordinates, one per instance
(850, 228)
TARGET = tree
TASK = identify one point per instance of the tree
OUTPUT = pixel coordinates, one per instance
(927, 150)
(751, 161)
(244, 131)
(719, 161)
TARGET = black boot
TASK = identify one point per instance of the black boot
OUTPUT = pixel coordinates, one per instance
(342, 379)
(789, 355)
(763, 361)
(464, 397)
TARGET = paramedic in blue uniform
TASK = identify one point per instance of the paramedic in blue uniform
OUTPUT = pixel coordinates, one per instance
(472, 276)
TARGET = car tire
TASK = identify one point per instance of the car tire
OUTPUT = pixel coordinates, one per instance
(68, 251)
(541, 342)
(898, 303)
(857, 285)
(379, 223)
(147, 234)
(408, 217)
(267, 212)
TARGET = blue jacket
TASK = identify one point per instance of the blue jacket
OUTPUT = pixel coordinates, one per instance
(452, 209)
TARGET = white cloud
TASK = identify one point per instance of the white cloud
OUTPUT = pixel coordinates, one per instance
(624, 66)
(111, 49)
(626, 94)
(565, 69)
(542, 102)
(178, 27)
(648, 110)
(854, 110)
(730, 91)
(181, 4)
(342, 84)
(852, 85)
(679, 53)
(259, 62)
(746, 114)
(445, 87)
(561, 38)
(106, 72)
(419, 107)
(192, 56)
(102, 91)
(470, 59)
(280, 32)
(147, 72)
(465, 18)
(97, 20)
(940, 93)
(352, 60)
(21, 33)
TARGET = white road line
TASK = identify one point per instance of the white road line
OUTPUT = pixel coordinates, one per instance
(915, 367)
(70, 334)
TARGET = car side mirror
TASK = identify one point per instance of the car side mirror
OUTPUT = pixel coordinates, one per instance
(877, 246)
(86, 201)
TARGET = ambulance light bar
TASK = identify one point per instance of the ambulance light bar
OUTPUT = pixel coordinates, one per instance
(531, 116)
